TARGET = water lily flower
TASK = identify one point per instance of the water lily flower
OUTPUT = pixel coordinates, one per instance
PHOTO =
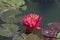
(49, 33)
(54, 25)
(31, 21)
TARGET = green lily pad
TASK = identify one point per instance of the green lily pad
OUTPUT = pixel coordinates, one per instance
(23, 36)
(2, 6)
(9, 13)
(12, 4)
(19, 37)
(24, 8)
(15, 3)
(12, 19)
(9, 16)
(32, 37)
(17, 19)
(8, 19)
(58, 36)
(9, 30)
(4, 32)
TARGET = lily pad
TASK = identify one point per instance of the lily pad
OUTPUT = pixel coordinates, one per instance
(32, 37)
(58, 35)
(4, 32)
(9, 16)
(24, 8)
(15, 3)
(18, 19)
(2, 6)
(11, 12)
(9, 30)
(23, 36)
(19, 37)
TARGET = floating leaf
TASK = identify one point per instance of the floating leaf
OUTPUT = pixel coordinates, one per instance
(9, 16)
(2, 6)
(12, 19)
(32, 37)
(37, 32)
(12, 4)
(26, 37)
(19, 37)
(24, 8)
(8, 19)
(4, 32)
(11, 12)
(15, 3)
(58, 35)
(18, 19)
(11, 27)
(9, 30)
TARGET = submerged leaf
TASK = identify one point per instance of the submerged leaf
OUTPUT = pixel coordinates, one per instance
(9, 30)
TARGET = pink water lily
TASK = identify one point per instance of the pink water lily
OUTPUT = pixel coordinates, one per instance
(31, 21)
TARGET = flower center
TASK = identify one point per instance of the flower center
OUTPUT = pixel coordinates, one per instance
(32, 19)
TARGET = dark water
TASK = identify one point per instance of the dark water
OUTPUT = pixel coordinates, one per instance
(5, 38)
(49, 11)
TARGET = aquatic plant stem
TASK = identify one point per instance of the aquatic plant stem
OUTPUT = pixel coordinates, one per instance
(28, 30)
